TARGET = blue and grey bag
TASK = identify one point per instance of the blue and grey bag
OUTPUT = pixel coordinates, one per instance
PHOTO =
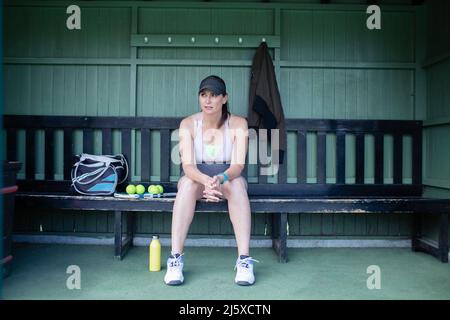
(98, 175)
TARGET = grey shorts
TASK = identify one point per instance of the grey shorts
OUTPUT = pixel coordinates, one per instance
(212, 169)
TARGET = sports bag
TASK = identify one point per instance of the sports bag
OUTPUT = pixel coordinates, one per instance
(98, 175)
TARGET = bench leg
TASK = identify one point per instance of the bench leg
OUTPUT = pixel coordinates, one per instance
(121, 245)
(443, 238)
(416, 232)
(418, 244)
(279, 235)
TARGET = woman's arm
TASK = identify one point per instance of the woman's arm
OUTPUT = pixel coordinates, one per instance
(239, 151)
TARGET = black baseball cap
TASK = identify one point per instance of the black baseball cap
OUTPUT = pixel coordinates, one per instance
(214, 84)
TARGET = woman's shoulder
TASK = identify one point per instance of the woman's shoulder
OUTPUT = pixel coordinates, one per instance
(237, 121)
(188, 122)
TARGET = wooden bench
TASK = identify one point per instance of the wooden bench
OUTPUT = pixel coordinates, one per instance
(277, 199)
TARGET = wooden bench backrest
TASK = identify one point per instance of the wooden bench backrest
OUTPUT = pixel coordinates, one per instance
(300, 127)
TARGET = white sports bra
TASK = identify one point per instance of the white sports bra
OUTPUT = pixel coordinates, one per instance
(212, 153)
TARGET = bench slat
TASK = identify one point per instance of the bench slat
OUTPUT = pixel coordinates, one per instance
(165, 155)
(301, 156)
(145, 154)
(417, 157)
(321, 157)
(359, 158)
(88, 141)
(340, 157)
(282, 171)
(398, 158)
(379, 158)
(68, 152)
(30, 151)
(107, 141)
(262, 178)
(126, 150)
(49, 154)
(11, 144)
(386, 205)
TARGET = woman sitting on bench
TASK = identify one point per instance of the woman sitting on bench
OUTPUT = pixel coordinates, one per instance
(213, 146)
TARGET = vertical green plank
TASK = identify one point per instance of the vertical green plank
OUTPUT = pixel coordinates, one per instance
(111, 222)
(317, 93)
(157, 222)
(294, 224)
(101, 222)
(291, 156)
(57, 221)
(327, 224)
(331, 158)
(311, 151)
(349, 224)
(405, 222)
(68, 221)
(383, 225)
(388, 158)
(394, 224)
(144, 223)
(338, 224)
(46, 220)
(407, 159)
(215, 223)
(226, 226)
(197, 226)
(360, 224)
(21, 221)
(372, 224)
(79, 221)
(305, 224)
(40, 155)
(369, 158)
(350, 161)
(262, 224)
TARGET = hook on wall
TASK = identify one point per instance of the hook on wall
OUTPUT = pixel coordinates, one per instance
(203, 41)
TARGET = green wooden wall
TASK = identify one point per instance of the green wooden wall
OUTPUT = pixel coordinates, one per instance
(437, 126)
(329, 65)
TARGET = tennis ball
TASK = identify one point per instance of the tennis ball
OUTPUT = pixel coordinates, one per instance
(153, 189)
(160, 188)
(131, 189)
(140, 189)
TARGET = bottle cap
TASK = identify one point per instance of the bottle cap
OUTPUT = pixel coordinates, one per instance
(155, 237)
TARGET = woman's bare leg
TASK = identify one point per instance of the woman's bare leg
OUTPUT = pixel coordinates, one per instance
(188, 193)
(235, 191)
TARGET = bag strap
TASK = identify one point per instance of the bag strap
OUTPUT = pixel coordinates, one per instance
(105, 158)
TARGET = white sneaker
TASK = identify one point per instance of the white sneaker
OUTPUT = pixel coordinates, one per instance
(244, 274)
(174, 274)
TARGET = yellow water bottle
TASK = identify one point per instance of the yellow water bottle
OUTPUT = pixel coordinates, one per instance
(155, 254)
